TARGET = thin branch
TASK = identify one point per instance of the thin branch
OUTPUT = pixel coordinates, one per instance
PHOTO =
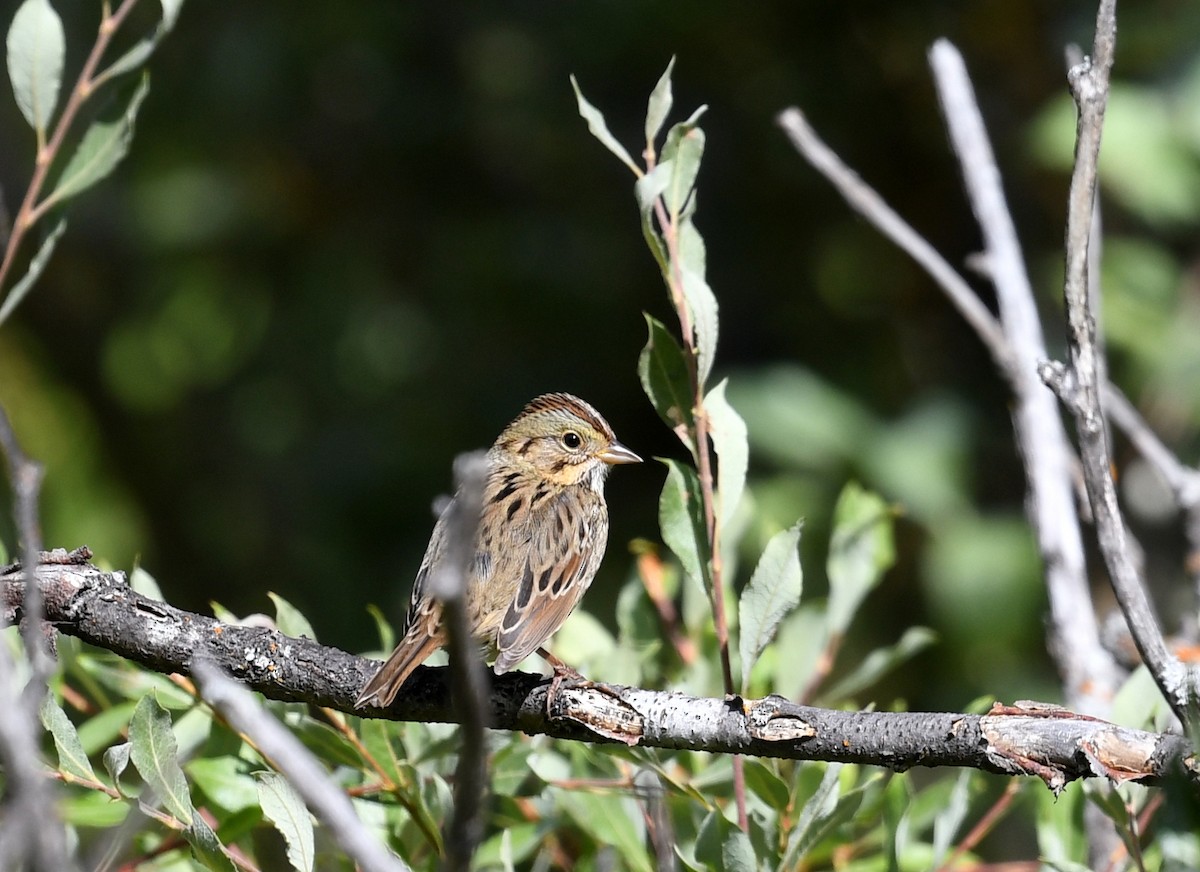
(32, 829)
(30, 210)
(1089, 674)
(1048, 742)
(322, 795)
(1080, 388)
(448, 582)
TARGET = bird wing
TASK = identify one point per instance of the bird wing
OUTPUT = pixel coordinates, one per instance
(565, 548)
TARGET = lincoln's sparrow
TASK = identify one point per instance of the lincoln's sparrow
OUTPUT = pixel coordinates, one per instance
(540, 541)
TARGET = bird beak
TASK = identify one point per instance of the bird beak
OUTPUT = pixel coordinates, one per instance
(618, 453)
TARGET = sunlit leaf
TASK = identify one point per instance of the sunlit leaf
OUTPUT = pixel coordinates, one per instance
(773, 591)
(103, 146)
(225, 780)
(289, 619)
(91, 808)
(684, 150)
(599, 129)
(951, 817)
(662, 369)
(860, 551)
(73, 762)
(145, 584)
(206, 847)
(824, 811)
(37, 266)
(141, 52)
(881, 661)
(116, 759)
(659, 105)
(681, 517)
(283, 807)
(702, 307)
(729, 438)
(154, 756)
(387, 636)
(36, 47)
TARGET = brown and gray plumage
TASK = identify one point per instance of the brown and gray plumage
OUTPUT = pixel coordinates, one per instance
(541, 538)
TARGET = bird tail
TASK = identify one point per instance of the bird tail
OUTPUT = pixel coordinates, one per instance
(409, 654)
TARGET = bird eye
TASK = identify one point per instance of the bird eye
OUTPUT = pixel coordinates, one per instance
(571, 440)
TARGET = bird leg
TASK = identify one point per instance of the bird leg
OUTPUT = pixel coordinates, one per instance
(563, 672)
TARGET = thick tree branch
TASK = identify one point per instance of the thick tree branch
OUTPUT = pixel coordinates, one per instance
(1054, 744)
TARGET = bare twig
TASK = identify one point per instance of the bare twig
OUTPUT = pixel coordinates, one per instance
(1088, 672)
(1080, 387)
(31, 831)
(320, 793)
(448, 584)
(1059, 539)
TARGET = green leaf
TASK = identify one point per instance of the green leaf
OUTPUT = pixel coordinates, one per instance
(143, 582)
(765, 784)
(154, 756)
(283, 807)
(37, 265)
(882, 661)
(73, 762)
(387, 636)
(224, 780)
(289, 620)
(729, 438)
(702, 307)
(693, 253)
(101, 149)
(737, 854)
(860, 551)
(116, 759)
(206, 847)
(722, 847)
(950, 818)
(91, 808)
(681, 517)
(824, 811)
(611, 819)
(684, 150)
(773, 591)
(36, 47)
(141, 52)
(659, 106)
(662, 369)
(599, 129)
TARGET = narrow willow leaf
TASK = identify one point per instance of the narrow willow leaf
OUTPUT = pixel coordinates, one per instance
(693, 253)
(702, 306)
(599, 129)
(659, 106)
(154, 756)
(206, 847)
(116, 759)
(103, 146)
(145, 584)
(36, 47)
(36, 266)
(773, 591)
(662, 369)
(650, 187)
(289, 619)
(73, 761)
(283, 807)
(860, 551)
(729, 438)
(765, 784)
(881, 661)
(387, 636)
(950, 818)
(141, 52)
(684, 150)
(681, 517)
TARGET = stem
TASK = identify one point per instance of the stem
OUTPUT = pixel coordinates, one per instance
(30, 211)
(669, 223)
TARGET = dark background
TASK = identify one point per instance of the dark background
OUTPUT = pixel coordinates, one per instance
(352, 240)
